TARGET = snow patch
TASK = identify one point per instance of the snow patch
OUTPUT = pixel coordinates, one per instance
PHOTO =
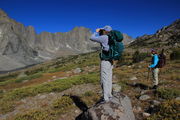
(57, 49)
(1, 33)
(44, 57)
(68, 46)
(52, 51)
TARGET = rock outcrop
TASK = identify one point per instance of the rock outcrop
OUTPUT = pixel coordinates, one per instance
(127, 39)
(119, 108)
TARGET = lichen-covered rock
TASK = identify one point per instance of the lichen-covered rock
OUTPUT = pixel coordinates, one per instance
(144, 97)
(118, 108)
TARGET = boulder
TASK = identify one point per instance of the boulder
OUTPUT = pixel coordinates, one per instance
(118, 108)
(155, 102)
(133, 78)
(178, 98)
(144, 97)
(145, 114)
(116, 87)
(54, 77)
(42, 97)
(77, 70)
(137, 109)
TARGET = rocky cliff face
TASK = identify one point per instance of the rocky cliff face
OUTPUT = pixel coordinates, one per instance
(20, 46)
(60, 44)
(127, 39)
(14, 48)
(167, 37)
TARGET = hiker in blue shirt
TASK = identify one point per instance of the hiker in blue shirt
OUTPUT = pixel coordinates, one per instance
(106, 66)
(154, 68)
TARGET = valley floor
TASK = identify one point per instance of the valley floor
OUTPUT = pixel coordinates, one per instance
(47, 92)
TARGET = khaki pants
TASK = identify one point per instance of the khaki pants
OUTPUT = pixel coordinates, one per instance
(155, 73)
(106, 79)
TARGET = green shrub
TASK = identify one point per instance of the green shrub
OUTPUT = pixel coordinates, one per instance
(62, 103)
(168, 93)
(88, 94)
(125, 59)
(55, 86)
(73, 62)
(123, 85)
(175, 76)
(36, 115)
(35, 71)
(169, 110)
(59, 106)
(18, 80)
(137, 56)
(175, 55)
(90, 98)
(7, 106)
(37, 75)
(8, 76)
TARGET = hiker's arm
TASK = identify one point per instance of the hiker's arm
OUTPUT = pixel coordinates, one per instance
(155, 61)
(96, 38)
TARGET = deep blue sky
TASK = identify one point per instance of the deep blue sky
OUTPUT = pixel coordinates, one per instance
(134, 17)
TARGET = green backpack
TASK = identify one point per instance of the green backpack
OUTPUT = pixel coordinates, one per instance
(116, 46)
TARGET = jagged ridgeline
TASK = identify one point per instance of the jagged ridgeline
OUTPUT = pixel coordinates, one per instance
(20, 46)
(168, 37)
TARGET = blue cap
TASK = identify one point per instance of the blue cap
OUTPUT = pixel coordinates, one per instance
(107, 28)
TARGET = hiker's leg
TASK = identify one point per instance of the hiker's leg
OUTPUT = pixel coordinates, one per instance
(101, 76)
(110, 80)
(155, 76)
(105, 65)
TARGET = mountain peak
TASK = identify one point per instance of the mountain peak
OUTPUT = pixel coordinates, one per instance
(2, 13)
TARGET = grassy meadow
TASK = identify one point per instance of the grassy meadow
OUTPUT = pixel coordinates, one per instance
(59, 75)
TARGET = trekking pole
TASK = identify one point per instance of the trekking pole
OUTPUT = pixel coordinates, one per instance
(148, 74)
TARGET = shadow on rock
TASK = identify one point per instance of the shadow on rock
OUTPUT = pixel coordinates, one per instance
(81, 105)
(78, 102)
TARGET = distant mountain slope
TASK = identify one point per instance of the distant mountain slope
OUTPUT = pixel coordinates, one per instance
(14, 48)
(167, 37)
(20, 46)
(127, 39)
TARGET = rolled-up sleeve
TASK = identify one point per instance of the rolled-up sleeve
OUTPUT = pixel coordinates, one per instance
(96, 38)
(103, 40)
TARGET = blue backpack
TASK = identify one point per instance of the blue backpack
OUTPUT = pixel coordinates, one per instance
(116, 46)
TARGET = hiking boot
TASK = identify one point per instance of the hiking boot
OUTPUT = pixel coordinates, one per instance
(104, 101)
(155, 87)
(101, 100)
